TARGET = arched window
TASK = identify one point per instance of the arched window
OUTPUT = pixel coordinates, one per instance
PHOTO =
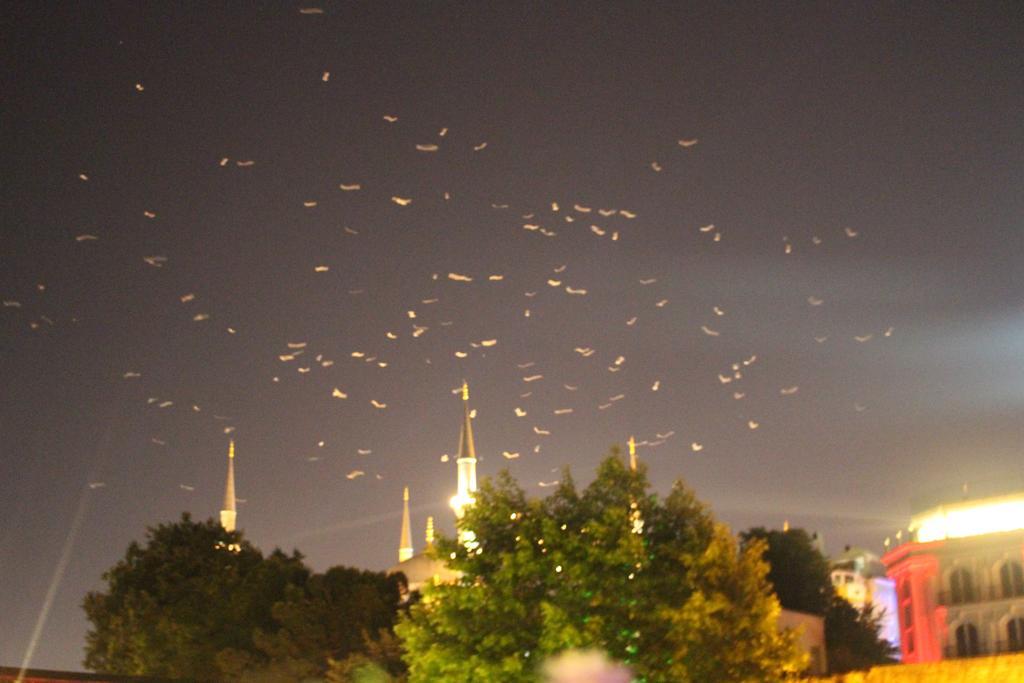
(961, 586)
(1015, 634)
(967, 641)
(906, 590)
(1012, 578)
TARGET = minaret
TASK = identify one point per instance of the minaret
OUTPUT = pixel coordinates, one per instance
(466, 460)
(430, 532)
(405, 542)
(229, 512)
(635, 518)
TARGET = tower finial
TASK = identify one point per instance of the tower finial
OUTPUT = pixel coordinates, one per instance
(430, 531)
(632, 453)
(231, 448)
(465, 390)
(405, 541)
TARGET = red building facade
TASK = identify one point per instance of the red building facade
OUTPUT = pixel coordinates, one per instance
(960, 581)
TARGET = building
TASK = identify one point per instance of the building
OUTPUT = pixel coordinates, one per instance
(811, 629)
(423, 568)
(858, 576)
(959, 580)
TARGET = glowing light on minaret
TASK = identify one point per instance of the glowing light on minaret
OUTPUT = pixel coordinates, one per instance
(466, 460)
(430, 532)
(229, 512)
(405, 542)
(635, 518)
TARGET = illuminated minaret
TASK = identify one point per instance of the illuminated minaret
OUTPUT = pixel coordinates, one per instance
(430, 532)
(229, 512)
(466, 460)
(405, 542)
(635, 518)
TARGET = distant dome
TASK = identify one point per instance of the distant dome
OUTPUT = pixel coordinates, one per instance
(421, 569)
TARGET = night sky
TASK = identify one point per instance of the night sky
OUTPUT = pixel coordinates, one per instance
(173, 225)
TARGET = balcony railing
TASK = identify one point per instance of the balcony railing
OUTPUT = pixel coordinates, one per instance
(987, 594)
(997, 648)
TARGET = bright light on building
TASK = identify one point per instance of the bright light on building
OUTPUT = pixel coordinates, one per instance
(460, 502)
(970, 519)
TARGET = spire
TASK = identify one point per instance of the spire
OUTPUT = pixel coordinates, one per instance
(466, 459)
(430, 532)
(632, 454)
(405, 542)
(229, 511)
(466, 446)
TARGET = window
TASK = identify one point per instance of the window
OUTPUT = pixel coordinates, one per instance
(910, 641)
(1015, 634)
(908, 617)
(961, 586)
(967, 641)
(1012, 578)
(906, 590)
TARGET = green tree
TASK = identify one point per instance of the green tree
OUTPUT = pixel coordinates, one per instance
(799, 572)
(192, 591)
(852, 638)
(199, 603)
(611, 567)
(800, 576)
(331, 617)
(379, 662)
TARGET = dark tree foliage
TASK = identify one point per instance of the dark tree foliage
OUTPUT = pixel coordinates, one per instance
(799, 572)
(800, 576)
(335, 615)
(190, 592)
(199, 603)
(655, 583)
(852, 638)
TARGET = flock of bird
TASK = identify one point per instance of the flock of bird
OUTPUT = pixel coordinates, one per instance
(553, 221)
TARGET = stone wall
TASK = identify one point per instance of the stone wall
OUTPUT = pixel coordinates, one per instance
(1000, 669)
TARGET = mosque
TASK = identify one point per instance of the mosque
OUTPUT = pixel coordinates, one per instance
(419, 568)
(422, 568)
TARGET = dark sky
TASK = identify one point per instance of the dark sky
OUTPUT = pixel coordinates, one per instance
(882, 143)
